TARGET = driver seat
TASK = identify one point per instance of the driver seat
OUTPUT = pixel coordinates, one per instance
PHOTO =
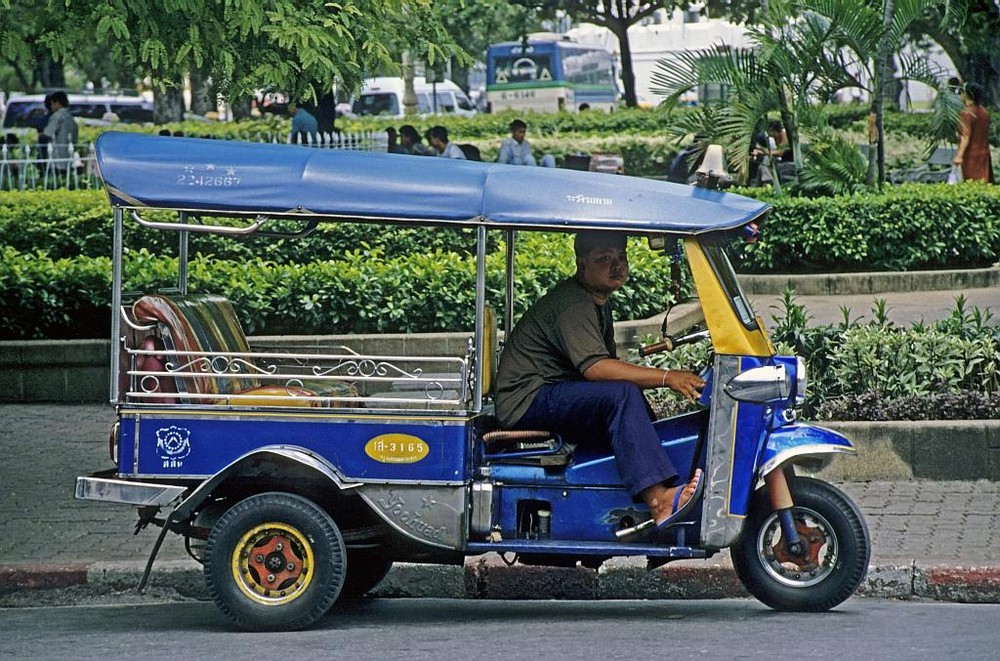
(530, 447)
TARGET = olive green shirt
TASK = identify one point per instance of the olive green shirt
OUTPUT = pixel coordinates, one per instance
(557, 339)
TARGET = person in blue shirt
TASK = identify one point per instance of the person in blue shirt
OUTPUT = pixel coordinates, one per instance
(305, 128)
(516, 150)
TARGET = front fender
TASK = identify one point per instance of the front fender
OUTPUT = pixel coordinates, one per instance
(802, 442)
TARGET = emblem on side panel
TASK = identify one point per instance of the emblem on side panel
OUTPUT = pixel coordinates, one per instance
(173, 444)
(396, 449)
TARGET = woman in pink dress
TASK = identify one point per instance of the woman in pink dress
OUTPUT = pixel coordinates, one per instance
(973, 154)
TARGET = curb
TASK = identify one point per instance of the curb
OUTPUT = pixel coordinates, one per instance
(491, 578)
(874, 282)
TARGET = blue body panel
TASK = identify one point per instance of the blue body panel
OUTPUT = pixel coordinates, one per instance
(236, 177)
(587, 498)
(200, 445)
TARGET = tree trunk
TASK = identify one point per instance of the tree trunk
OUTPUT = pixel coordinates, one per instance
(240, 108)
(202, 95)
(620, 30)
(50, 73)
(168, 105)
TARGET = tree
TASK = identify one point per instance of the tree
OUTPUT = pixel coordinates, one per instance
(475, 24)
(969, 32)
(808, 50)
(301, 47)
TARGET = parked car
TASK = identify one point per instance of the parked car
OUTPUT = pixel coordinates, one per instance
(26, 113)
(384, 96)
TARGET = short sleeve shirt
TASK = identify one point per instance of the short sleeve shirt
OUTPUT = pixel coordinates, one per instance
(556, 340)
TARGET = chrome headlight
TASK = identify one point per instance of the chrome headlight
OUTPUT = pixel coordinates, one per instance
(800, 380)
(760, 384)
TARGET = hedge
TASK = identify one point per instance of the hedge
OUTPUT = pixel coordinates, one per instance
(363, 292)
(908, 227)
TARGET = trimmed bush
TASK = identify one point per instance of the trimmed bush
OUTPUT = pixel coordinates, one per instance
(363, 292)
(908, 227)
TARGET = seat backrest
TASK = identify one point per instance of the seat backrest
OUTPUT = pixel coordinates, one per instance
(471, 152)
(203, 323)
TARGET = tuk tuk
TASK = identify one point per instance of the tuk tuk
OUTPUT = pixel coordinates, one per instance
(298, 477)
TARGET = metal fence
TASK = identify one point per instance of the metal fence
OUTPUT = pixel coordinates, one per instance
(36, 167)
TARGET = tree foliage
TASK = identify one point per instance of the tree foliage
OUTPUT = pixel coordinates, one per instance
(301, 47)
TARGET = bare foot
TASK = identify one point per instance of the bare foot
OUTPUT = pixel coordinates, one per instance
(664, 508)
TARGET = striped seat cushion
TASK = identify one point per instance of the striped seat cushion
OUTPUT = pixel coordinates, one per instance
(202, 323)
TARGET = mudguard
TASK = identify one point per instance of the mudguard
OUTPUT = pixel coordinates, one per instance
(801, 442)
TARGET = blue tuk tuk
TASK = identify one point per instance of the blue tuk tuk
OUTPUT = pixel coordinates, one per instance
(299, 476)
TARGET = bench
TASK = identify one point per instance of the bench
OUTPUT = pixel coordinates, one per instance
(200, 353)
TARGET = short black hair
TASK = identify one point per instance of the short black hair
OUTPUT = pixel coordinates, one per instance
(518, 124)
(974, 91)
(60, 98)
(588, 240)
(439, 132)
(408, 131)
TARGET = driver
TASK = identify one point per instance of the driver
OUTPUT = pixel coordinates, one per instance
(559, 372)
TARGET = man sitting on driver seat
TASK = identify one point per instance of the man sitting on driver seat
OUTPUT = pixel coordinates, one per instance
(559, 372)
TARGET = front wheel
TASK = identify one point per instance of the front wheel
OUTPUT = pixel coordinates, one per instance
(834, 560)
(274, 562)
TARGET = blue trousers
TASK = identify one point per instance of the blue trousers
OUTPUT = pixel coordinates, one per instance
(602, 412)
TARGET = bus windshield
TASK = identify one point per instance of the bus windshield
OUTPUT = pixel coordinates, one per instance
(549, 76)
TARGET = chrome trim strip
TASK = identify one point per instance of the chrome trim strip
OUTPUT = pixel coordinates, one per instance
(718, 527)
(141, 494)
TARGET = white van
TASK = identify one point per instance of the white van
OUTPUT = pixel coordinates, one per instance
(384, 96)
(26, 113)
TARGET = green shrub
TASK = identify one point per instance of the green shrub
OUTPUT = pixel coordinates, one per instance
(908, 227)
(363, 292)
(878, 371)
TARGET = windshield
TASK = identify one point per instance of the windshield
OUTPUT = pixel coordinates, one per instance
(730, 284)
(381, 103)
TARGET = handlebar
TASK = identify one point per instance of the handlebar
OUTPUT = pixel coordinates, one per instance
(669, 343)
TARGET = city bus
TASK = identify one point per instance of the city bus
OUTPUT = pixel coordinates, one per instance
(549, 74)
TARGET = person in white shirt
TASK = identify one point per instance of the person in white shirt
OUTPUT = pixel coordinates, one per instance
(438, 137)
(515, 150)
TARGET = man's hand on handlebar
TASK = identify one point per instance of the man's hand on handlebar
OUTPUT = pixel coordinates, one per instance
(684, 382)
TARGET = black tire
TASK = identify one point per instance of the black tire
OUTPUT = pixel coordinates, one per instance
(274, 562)
(365, 569)
(838, 543)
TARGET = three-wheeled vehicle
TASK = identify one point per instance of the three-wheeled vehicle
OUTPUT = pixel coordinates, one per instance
(298, 476)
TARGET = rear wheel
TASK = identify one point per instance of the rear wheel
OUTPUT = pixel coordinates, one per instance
(274, 561)
(834, 559)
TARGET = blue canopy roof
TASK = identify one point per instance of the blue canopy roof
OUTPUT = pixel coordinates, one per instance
(227, 177)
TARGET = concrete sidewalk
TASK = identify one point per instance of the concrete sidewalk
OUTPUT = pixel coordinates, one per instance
(931, 539)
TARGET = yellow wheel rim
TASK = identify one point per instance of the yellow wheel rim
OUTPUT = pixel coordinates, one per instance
(273, 564)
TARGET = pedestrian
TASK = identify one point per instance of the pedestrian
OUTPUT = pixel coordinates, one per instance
(438, 137)
(559, 372)
(973, 155)
(305, 128)
(412, 143)
(392, 141)
(62, 132)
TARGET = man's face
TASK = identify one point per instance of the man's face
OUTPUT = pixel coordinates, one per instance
(518, 134)
(604, 270)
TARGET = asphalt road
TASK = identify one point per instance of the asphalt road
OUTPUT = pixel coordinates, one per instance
(415, 629)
